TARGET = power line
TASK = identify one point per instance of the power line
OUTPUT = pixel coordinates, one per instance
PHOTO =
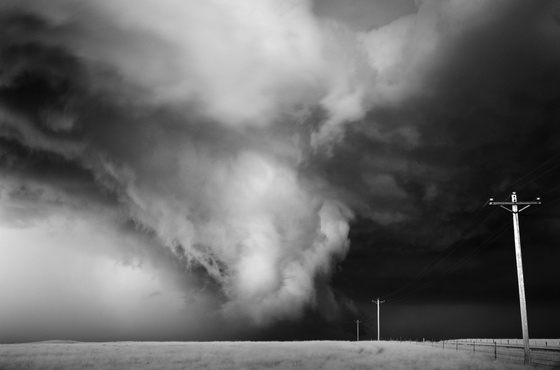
(445, 254)
(449, 250)
(451, 269)
(403, 293)
(419, 289)
(546, 205)
(550, 190)
(461, 262)
(535, 170)
(539, 176)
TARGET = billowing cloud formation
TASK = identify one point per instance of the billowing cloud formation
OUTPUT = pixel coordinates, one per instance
(239, 137)
(178, 111)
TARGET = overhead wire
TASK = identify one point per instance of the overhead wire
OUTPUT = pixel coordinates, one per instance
(535, 170)
(547, 204)
(445, 253)
(461, 262)
(448, 251)
(550, 190)
(539, 176)
(539, 167)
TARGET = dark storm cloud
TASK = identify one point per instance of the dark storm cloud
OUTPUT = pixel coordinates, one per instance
(130, 124)
(249, 142)
(482, 120)
(484, 114)
(478, 118)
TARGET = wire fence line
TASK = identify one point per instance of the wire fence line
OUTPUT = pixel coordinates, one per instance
(544, 352)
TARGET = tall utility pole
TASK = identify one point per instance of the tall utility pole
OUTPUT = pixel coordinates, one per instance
(357, 330)
(378, 302)
(515, 211)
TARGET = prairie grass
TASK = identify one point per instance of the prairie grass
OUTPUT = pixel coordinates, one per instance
(240, 355)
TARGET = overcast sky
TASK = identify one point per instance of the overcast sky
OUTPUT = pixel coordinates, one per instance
(263, 169)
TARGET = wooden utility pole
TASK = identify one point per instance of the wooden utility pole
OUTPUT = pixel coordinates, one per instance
(357, 330)
(520, 282)
(378, 302)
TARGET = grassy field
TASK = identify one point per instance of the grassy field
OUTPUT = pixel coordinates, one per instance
(239, 355)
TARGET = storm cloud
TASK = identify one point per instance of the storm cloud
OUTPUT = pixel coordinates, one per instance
(226, 149)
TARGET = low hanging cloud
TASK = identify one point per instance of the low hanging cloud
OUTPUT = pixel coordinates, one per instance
(209, 129)
(188, 118)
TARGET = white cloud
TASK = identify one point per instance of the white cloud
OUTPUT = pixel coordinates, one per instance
(69, 277)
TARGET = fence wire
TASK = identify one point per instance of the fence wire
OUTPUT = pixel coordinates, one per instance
(545, 353)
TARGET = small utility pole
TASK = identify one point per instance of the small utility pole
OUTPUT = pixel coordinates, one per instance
(520, 282)
(378, 302)
(357, 330)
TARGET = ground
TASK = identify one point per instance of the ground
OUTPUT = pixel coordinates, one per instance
(240, 355)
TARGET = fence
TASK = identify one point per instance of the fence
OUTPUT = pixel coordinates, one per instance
(544, 353)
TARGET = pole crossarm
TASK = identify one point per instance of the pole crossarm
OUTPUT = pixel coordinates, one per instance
(527, 204)
(492, 203)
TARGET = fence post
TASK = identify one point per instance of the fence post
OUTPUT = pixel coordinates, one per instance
(495, 350)
(456, 346)
(473, 345)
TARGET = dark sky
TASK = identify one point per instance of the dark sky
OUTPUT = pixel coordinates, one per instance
(179, 170)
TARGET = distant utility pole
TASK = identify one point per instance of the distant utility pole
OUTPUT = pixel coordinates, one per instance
(357, 330)
(515, 211)
(378, 302)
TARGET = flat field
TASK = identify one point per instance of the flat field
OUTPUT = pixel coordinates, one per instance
(240, 355)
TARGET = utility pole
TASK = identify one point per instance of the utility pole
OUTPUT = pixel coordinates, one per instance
(520, 282)
(357, 330)
(378, 302)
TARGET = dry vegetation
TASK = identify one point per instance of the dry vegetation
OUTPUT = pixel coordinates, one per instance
(239, 355)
